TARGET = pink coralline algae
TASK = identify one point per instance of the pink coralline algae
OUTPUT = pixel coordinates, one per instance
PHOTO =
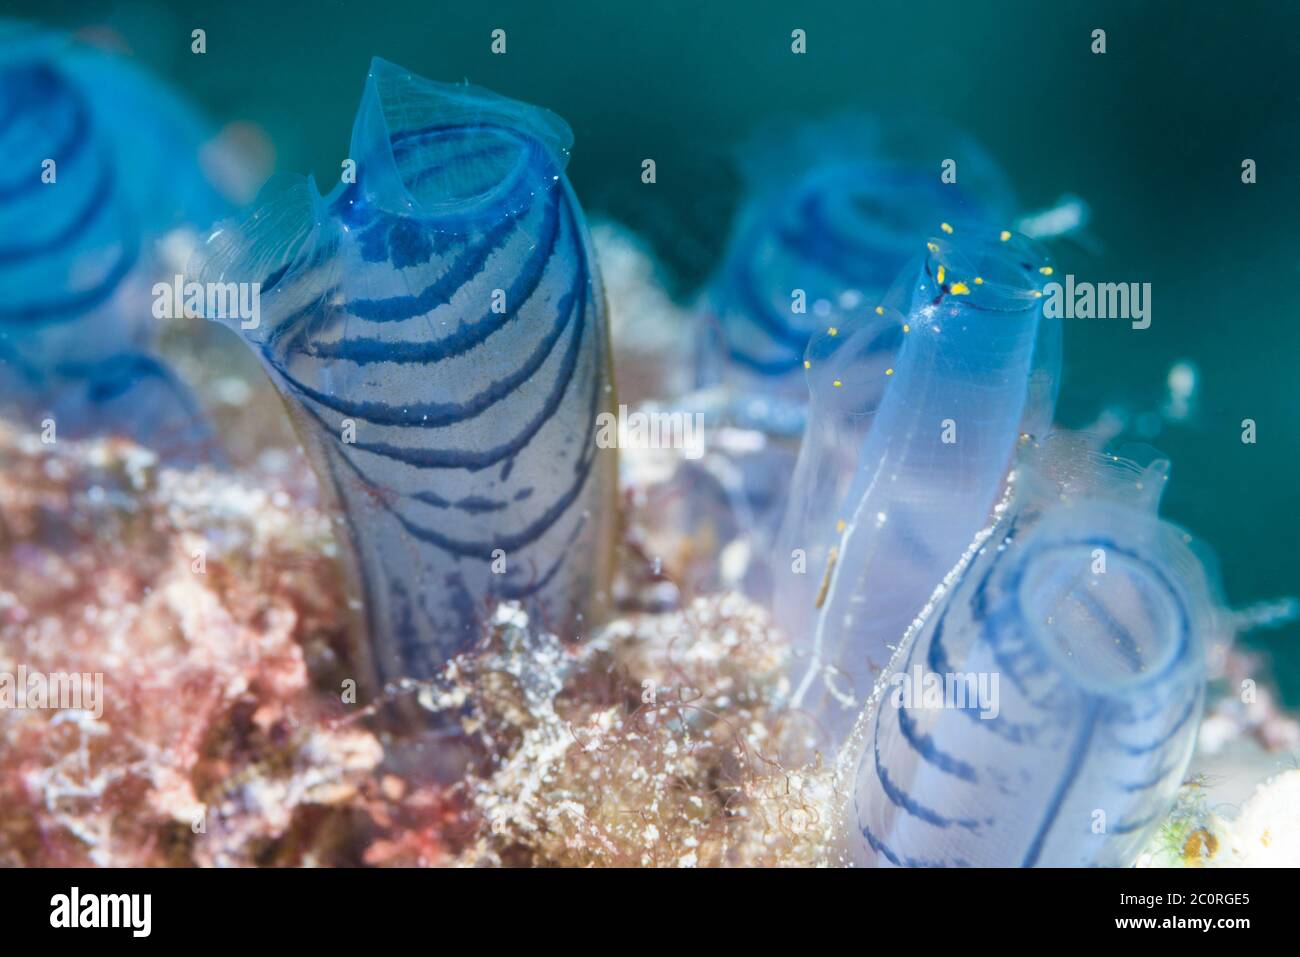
(205, 605)
(213, 607)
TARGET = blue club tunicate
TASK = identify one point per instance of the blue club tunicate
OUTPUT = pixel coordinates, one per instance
(1044, 709)
(915, 413)
(832, 210)
(437, 330)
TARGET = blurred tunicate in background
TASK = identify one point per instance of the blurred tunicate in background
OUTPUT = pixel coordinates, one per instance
(101, 169)
(832, 211)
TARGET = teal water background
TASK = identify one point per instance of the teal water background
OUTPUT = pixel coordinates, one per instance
(1152, 134)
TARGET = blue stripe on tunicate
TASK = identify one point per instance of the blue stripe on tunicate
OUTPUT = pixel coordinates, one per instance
(431, 415)
(458, 459)
(73, 306)
(440, 291)
(1186, 715)
(42, 84)
(762, 314)
(1078, 754)
(473, 505)
(902, 799)
(937, 662)
(437, 458)
(924, 745)
(536, 584)
(85, 216)
(364, 350)
(1152, 781)
(512, 542)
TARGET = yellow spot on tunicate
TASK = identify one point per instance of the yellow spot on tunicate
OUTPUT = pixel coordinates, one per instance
(889, 372)
(837, 383)
(941, 274)
(933, 247)
(1004, 235)
(1038, 294)
(880, 310)
(1046, 270)
(946, 228)
(960, 289)
(906, 327)
(834, 330)
(979, 280)
(807, 364)
(839, 526)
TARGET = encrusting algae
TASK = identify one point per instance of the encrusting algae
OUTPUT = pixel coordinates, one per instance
(642, 747)
(212, 606)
